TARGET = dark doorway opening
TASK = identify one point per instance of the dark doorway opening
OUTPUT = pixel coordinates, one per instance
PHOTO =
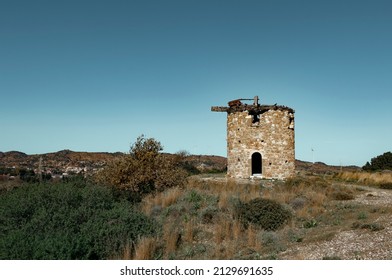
(256, 163)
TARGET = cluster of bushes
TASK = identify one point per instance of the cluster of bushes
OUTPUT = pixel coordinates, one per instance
(74, 220)
(381, 162)
(26, 175)
(8, 171)
(81, 219)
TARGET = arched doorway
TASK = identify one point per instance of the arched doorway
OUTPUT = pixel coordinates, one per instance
(256, 163)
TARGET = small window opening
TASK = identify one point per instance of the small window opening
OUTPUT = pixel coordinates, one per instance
(291, 123)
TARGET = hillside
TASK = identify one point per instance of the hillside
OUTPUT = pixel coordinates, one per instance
(310, 216)
(322, 168)
(67, 160)
(76, 162)
(58, 162)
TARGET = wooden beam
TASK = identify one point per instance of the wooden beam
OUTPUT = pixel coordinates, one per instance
(219, 109)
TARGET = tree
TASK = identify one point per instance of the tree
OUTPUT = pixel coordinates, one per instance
(144, 148)
(144, 169)
(381, 162)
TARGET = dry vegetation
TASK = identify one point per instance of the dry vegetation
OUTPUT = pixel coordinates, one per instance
(382, 179)
(203, 219)
(320, 214)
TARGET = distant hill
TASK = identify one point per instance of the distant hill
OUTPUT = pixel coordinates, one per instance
(64, 160)
(57, 160)
(206, 163)
(67, 160)
(322, 168)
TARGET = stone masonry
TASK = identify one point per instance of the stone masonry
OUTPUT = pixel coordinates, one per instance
(260, 140)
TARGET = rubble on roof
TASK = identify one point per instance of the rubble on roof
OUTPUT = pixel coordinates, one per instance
(253, 109)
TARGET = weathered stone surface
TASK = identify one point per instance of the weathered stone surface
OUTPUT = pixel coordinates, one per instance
(269, 132)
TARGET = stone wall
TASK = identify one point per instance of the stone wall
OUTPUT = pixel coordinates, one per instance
(271, 134)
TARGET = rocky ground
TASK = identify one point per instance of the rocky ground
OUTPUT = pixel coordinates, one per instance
(356, 243)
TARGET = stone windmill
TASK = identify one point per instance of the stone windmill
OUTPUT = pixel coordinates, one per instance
(260, 140)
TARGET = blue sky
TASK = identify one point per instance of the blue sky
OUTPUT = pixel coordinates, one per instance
(93, 75)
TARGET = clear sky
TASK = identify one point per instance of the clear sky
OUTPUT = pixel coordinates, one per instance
(93, 75)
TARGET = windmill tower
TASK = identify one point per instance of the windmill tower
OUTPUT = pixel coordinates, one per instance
(260, 140)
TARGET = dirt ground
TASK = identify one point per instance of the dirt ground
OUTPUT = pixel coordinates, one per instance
(356, 244)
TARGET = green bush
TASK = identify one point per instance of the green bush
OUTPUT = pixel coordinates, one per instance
(268, 214)
(71, 220)
(381, 162)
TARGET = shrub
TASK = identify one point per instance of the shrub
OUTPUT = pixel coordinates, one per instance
(143, 170)
(342, 195)
(381, 162)
(193, 201)
(386, 186)
(208, 214)
(268, 214)
(67, 221)
(310, 223)
(371, 226)
(272, 241)
(193, 197)
(362, 216)
(298, 202)
(295, 236)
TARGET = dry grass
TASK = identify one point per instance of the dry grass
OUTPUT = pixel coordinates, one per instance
(186, 234)
(189, 231)
(219, 232)
(227, 230)
(367, 178)
(307, 197)
(251, 235)
(230, 237)
(170, 197)
(161, 199)
(127, 253)
(145, 248)
(171, 238)
(237, 230)
(226, 189)
(223, 200)
(250, 192)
